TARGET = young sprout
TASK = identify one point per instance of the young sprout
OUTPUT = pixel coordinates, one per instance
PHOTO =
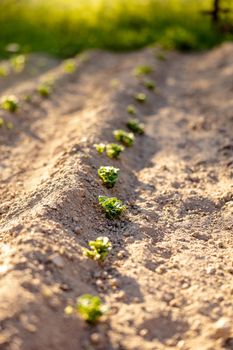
(69, 66)
(112, 206)
(18, 63)
(108, 175)
(1, 122)
(100, 147)
(3, 72)
(131, 109)
(113, 150)
(141, 97)
(100, 249)
(135, 126)
(143, 70)
(10, 103)
(44, 89)
(150, 84)
(9, 125)
(89, 307)
(127, 138)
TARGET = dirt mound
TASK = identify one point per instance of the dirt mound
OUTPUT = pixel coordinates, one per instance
(168, 280)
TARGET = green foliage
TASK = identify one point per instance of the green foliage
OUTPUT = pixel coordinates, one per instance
(143, 70)
(64, 28)
(113, 150)
(3, 71)
(44, 89)
(135, 126)
(9, 125)
(108, 175)
(149, 84)
(69, 66)
(112, 206)
(10, 103)
(178, 38)
(141, 97)
(90, 308)
(127, 138)
(100, 147)
(131, 109)
(18, 63)
(100, 249)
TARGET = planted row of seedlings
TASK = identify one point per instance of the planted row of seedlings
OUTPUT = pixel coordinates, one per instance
(11, 103)
(90, 307)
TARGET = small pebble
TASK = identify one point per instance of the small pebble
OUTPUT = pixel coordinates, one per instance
(222, 329)
(95, 338)
(57, 260)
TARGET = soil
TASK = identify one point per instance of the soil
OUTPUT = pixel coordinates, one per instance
(168, 281)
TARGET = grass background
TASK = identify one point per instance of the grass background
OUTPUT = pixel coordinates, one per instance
(66, 27)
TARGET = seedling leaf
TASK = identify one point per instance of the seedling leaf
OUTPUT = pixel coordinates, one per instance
(113, 150)
(131, 109)
(90, 308)
(100, 148)
(112, 206)
(108, 175)
(127, 138)
(10, 103)
(143, 70)
(141, 97)
(135, 126)
(100, 249)
(150, 84)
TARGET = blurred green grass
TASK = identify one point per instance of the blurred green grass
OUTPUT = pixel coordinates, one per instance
(66, 27)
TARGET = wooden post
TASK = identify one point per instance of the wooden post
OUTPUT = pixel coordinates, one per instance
(216, 10)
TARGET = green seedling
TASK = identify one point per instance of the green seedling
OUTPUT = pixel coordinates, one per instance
(143, 70)
(10, 103)
(108, 175)
(2, 122)
(127, 138)
(113, 150)
(150, 84)
(100, 249)
(18, 63)
(69, 66)
(131, 109)
(112, 206)
(9, 125)
(89, 307)
(44, 89)
(141, 97)
(3, 72)
(135, 126)
(100, 148)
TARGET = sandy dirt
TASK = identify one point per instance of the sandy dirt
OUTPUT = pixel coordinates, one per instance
(168, 281)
